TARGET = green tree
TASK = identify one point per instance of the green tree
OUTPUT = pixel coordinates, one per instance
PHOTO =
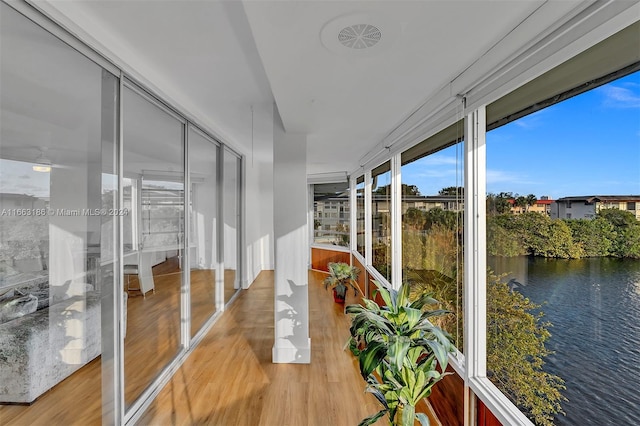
(520, 202)
(626, 238)
(593, 236)
(502, 241)
(531, 200)
(547, 237)
(452, 190)
(413, 249)
(414, 218)
(618, 218)
(342, 229)
(498, 204)
(411, 190)
(438, 216)
(516, 336)
(516, 333)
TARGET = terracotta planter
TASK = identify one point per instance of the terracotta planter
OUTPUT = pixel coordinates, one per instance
(337, 298)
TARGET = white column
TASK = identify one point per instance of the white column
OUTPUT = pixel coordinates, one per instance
(291, 234)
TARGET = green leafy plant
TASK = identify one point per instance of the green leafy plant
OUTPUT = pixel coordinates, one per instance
(402, 355)
(340, 276)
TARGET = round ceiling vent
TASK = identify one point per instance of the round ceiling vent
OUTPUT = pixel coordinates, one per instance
(360, 36)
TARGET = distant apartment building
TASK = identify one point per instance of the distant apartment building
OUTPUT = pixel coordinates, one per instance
(426, 203)
(381, 204)
(21, 201)
(586, 207)
(332, 211)
(543, 205)
(332, 214)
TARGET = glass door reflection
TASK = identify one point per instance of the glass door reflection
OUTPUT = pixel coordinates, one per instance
(153, 187)
(231, 202)
(203, 241)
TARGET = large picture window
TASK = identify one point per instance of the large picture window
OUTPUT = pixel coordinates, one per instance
(381, 219)
(331, 214)
(360, 216)
(562, 266)
(432, 232)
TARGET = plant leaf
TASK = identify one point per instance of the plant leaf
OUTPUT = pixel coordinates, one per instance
(408, 415)
(385, 294)
(441, 353)
(403, 295)
(398, 348)
(372, 419)
(379, 396)
(371, 357)
(423, 419)
(413, 316)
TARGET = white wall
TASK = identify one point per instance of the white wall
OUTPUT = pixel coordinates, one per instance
(291, 233)
(259, 196)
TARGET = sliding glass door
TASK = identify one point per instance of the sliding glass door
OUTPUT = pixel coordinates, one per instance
(203, 233)
(231, 203)
(153, 178)
(94, 294)
(58, 193)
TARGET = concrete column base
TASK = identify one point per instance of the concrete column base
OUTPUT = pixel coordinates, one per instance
(286, 353)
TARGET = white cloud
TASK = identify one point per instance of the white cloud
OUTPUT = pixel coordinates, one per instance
(621, 97)
(438, 160)
(498, 176)
(531, 121)
(433, 173)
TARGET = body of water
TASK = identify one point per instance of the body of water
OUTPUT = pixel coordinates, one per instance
(594, 306)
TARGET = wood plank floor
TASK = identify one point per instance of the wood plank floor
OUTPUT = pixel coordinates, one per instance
(151, 343)
(229, 379)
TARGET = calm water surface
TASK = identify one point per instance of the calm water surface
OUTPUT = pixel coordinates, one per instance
(594, 305)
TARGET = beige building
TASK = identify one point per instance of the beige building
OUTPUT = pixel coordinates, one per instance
(543, 205)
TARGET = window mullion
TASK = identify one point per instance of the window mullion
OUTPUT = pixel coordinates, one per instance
(353, 218)
(475, 286)
(367, 219)
(396, 222)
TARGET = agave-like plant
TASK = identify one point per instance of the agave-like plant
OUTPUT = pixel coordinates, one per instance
(401, 354)
(340, 275)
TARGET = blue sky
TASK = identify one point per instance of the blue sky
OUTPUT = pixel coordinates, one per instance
(586, 145)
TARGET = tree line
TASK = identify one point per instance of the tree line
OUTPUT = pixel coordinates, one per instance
(516, 331)
(612, 232)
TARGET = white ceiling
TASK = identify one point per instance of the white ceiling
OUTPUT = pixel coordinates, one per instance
(348, 100)
(217, 59)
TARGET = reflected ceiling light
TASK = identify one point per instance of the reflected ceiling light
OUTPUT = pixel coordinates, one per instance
(43, 164)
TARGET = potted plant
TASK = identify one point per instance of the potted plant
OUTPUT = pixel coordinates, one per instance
(401, 354)
(340, 276)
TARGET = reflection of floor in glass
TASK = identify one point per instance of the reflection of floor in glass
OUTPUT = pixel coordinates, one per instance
(229, 281)
(152, 341)
(154, 320)
(203, 282)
